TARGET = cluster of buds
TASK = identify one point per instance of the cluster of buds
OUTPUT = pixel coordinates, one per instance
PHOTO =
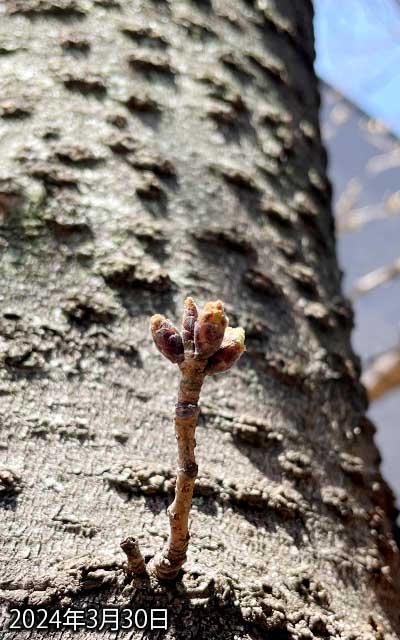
(205, 336)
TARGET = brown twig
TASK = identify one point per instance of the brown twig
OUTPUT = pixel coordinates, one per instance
(207, 346)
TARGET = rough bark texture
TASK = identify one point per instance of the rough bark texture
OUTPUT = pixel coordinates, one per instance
(149, 151)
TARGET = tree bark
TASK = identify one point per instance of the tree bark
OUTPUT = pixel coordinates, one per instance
(150, 151)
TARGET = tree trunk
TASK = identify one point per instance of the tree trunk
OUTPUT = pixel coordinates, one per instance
(150, 151)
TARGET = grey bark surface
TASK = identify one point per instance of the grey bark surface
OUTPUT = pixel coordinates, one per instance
(149, 151)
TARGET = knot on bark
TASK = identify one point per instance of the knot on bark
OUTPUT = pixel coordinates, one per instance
(186, 410)
(190, 469)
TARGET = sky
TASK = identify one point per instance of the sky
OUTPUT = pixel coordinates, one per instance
(358, 53)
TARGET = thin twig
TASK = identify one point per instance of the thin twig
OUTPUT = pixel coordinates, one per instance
(207, 346)
(186, 415)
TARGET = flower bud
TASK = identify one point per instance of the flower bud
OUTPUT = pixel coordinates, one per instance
(188, 322)
(166, 338)
(229, 352)
(209, 329)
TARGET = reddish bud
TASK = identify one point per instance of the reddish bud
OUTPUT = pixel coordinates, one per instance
(209, 329)
(167, 338)
(188, 322)
(229, 352)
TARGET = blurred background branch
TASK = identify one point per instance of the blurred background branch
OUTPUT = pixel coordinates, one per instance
(376, 278)
(383, 375)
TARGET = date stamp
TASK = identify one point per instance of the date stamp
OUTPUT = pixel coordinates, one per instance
(90, 618)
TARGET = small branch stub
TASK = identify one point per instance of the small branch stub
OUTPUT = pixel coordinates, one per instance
(207, 347)
(136, 564)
